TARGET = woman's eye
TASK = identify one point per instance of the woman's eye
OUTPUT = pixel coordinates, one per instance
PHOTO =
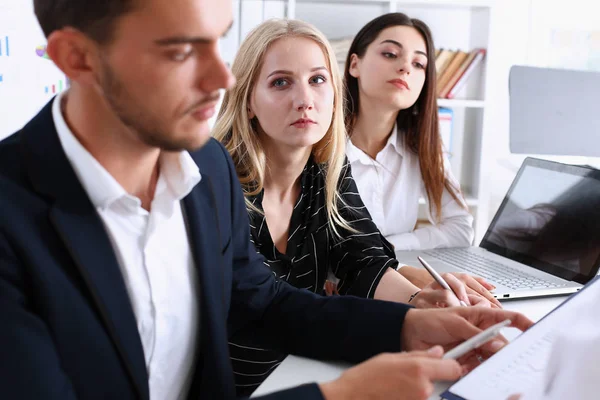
(389, 55)
(419, 65)
(279, 82)
(318, 79)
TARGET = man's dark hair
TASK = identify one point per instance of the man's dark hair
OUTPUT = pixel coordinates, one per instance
(95, 18)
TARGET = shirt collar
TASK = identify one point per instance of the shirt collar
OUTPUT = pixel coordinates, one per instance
(179, 172)
(396, 141)
(355, 154)
(100, 186)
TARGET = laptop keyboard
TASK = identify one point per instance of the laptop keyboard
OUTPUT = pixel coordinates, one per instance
(491, 270)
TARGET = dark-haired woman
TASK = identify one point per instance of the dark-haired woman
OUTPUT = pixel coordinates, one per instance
(395, 148)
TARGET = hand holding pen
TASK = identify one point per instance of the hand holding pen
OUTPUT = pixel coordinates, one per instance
(438, 278)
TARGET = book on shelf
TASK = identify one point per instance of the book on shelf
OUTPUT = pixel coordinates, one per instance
(450, 70)
(455, 73)
(468, 71)
(441, 61)
(444, 89)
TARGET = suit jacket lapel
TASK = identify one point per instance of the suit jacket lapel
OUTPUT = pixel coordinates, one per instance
(202, 217)
(83, 233)
(86, 240)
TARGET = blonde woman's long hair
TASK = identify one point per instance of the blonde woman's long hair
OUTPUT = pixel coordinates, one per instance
(240, 137)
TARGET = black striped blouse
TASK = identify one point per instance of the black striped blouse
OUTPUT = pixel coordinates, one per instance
(313, 252)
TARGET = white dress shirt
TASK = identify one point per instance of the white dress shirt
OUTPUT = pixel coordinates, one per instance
(573, 370)
(155, 258)
(391, 186)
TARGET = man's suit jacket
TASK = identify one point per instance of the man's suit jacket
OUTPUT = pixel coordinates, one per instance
(67, 327)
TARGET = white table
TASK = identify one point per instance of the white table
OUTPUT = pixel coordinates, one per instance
(295, 371)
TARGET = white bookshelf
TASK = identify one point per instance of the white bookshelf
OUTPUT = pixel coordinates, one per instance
(455, 24)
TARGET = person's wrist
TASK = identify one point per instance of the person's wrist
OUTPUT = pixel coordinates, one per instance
(412, 296)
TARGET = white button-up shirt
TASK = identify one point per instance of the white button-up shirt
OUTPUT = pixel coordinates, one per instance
(155, 258)
(391, 186)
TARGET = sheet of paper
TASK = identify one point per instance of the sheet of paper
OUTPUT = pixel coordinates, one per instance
(521, 364)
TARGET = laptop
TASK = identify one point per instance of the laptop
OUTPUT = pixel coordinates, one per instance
(544, 239)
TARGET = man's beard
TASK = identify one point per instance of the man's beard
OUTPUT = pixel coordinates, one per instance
(148, 128)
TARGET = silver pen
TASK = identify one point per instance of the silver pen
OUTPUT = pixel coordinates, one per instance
(438, 278)
(476, 341)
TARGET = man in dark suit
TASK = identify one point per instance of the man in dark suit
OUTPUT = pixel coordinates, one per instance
(125, 258)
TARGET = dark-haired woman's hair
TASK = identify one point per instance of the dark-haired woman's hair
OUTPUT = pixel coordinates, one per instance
(419, 123)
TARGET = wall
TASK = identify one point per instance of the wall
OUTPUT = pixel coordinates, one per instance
(28, 80)
(510, 33)
(520, 36)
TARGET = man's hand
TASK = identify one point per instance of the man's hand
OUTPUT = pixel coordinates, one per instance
(449, 327)
(399, 376)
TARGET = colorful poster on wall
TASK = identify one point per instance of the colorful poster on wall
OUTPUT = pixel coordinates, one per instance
(28, 78)
(565, 37)
(574, 49)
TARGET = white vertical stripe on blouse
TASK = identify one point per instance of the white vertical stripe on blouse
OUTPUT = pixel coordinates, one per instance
(391, 186)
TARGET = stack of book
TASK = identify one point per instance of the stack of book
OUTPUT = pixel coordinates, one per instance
(454, 67)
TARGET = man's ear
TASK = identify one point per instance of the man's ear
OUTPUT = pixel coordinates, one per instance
(74, 54)
(353, 69)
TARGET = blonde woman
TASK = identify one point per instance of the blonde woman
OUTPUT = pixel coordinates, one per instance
(283, 125)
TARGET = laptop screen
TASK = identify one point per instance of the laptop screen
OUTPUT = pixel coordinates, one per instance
(550, 220)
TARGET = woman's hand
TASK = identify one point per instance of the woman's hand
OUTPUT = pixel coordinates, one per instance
(435, 296)
(477, 286)
(477, 290)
